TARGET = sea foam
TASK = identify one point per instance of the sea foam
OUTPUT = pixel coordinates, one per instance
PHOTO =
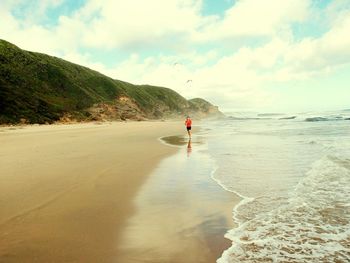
(313, 226)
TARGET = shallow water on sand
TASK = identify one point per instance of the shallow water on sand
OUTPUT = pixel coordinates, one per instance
(181, 214)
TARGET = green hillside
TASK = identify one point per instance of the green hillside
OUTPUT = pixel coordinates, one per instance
(37, 88)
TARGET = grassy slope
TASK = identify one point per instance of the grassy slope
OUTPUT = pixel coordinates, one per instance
(42, 88)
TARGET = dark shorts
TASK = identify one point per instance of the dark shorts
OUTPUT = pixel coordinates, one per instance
(188, 128)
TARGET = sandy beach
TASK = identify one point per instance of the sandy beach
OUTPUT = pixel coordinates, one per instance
(68, 191)
(182, 214)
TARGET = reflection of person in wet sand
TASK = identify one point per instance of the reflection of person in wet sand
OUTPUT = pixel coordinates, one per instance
(189, 147)
(188, 123)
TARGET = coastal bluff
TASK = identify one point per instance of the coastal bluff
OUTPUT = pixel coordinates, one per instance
(38, 88)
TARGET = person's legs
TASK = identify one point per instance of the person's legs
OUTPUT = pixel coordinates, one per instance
(189, 132)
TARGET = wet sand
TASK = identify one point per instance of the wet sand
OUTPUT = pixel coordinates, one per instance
(70, 194)
(182, 213)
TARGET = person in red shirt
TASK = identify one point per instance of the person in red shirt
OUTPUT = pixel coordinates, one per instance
(188, 124)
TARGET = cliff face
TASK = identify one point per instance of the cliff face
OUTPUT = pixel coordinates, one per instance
(204, 109)
(37, 88)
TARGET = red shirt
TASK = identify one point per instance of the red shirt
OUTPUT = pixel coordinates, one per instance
(188, 122)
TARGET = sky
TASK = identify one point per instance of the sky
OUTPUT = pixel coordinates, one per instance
(242, 55)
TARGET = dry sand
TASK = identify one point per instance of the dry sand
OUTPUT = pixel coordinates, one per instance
(67, 191)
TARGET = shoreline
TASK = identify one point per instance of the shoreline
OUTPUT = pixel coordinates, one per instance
(183, 214)
(70, 191)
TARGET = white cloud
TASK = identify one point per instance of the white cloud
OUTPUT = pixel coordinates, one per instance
(175, 28)
(169, 25)
(312, 56)
(141, 23)
(239, 78)
(253, 19)
(28, 33)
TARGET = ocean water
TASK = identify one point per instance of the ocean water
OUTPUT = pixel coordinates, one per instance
(293, 175)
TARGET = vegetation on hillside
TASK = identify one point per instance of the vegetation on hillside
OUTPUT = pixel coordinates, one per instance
(37, 88)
